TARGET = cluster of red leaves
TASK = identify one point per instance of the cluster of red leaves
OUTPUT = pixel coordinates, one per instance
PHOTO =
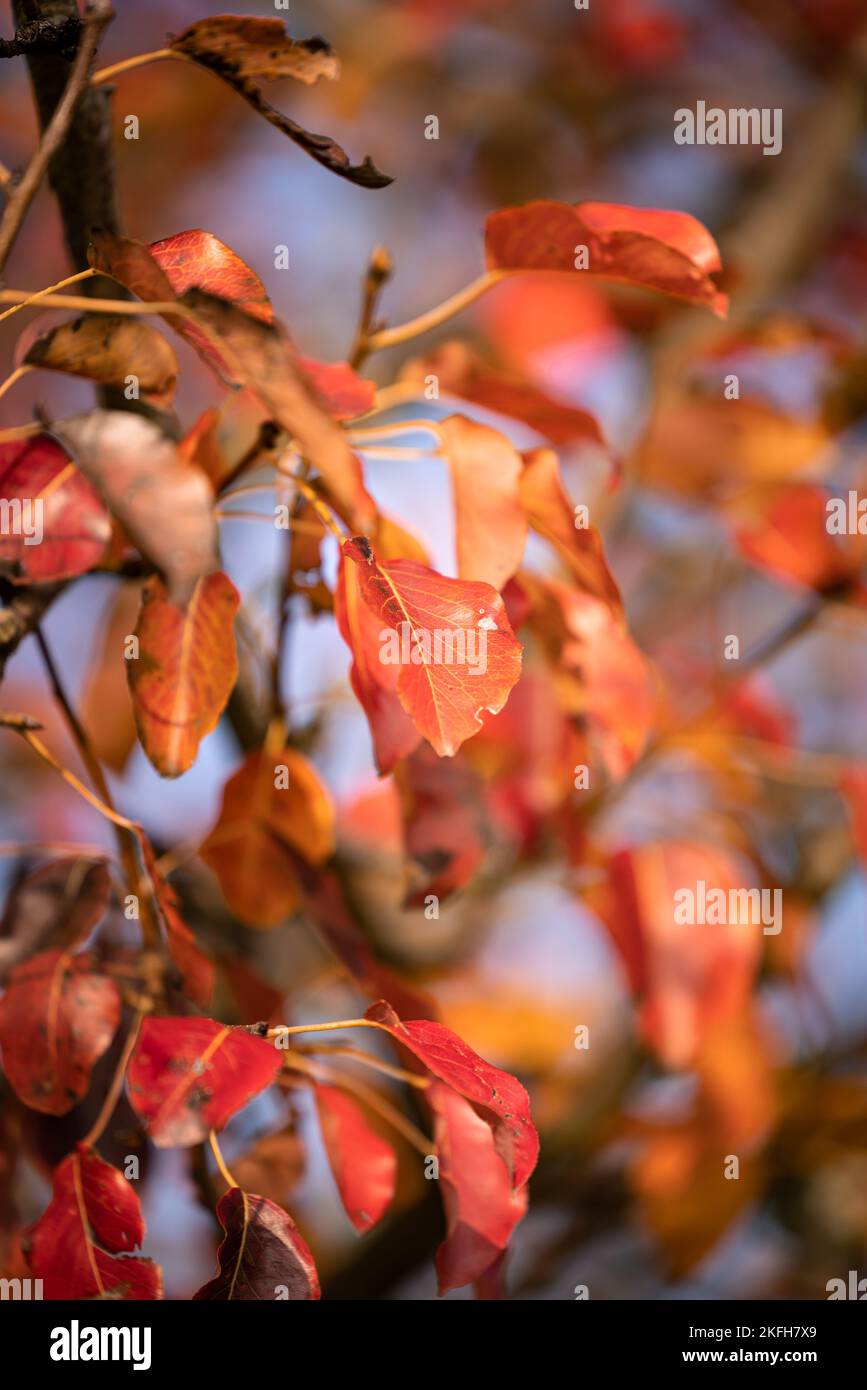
(475, 753)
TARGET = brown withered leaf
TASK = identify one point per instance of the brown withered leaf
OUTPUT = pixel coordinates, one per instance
(164, 504)
(110, 350)
(185, 670)
(241, 46)
(238, 49)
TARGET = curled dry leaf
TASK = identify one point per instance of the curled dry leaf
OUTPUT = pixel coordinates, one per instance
(163, 503)
(79, 1246)
(57, 1018)
(455, 652)
(490, 524)
(272, 805)
(110, 351)
(262, 1256)
(482, 1209)
(190, 1075)
(660, 250)
(460, 371)
(64, 528)
(503, 1097)
(185, 670)
(239, 49)
(363, 1163)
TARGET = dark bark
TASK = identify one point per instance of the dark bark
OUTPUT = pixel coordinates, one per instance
(81, 174)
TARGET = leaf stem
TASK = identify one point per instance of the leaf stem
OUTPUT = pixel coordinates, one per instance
(220, 1162)
(413, 328)
(410, 1078)
(284, 1030)
(96, 306)
(307, 490)
(127, 64)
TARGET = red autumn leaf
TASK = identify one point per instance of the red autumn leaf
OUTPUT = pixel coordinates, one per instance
(73, 530)
(461, 372)
(790, 540)
(167, 269)
(344, 393)
(185, 669)
(190, 1075)
(551, 514)
(445, 828)
(660, 250)
(199, 260)
(273, 804)
(455, 650)
(374, 682)
(196, 969)
(93, 1218)
(481, 1207)
(490, 525)
(498, 1093)
(164, 504)
(57, 1018)
(262, 1255)
(364, 1164)
(690, 977)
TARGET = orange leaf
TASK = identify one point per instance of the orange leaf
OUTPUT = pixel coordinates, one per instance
(689, 976)
(551, 514)
(660, 250)
(185, 670)
(490, 525)
(244, 46)
(461, 372)
(453, 647)
(259, 823)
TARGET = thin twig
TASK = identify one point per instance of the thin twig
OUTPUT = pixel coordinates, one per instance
(97, 17)
(379, 272)
(413, 328)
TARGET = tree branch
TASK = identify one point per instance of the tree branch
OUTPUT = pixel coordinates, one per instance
(97, 17)
(44, 36)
